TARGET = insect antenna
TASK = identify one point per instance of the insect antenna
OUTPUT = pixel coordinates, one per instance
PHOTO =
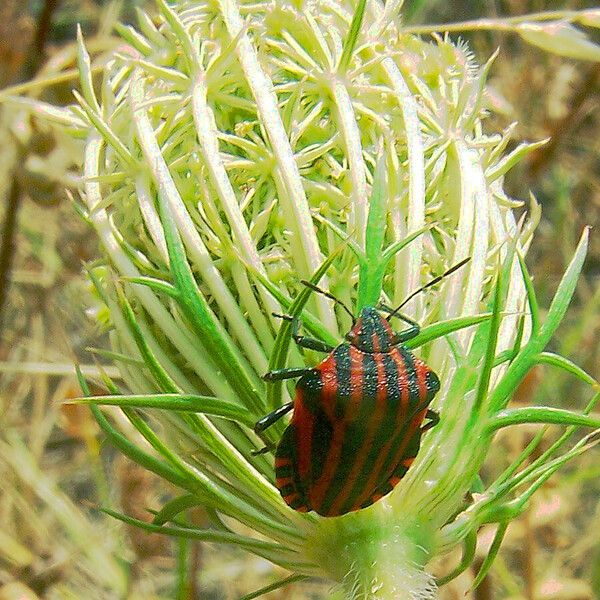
(327, 294)
(435, 280)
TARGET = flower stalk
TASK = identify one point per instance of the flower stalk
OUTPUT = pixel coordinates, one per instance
(231, 151)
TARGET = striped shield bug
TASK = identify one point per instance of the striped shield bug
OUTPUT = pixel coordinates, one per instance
(358, 415)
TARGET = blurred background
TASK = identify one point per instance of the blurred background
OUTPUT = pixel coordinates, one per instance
(54, 467)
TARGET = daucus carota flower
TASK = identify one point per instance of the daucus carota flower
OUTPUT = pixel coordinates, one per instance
(235, 149)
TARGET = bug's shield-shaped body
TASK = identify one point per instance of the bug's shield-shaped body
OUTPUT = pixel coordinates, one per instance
(356, 427)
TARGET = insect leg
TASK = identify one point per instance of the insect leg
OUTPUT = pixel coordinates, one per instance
(302, 340)
(280, 374)
(272, 417)
(266, 422)
(407, 334)
(434, 419)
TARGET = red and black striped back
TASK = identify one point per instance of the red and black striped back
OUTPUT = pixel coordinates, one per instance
(356, 425)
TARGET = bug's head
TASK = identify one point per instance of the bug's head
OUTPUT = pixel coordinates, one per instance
(371, 332)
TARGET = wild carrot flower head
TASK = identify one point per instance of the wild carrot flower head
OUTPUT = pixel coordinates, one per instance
(232, 150)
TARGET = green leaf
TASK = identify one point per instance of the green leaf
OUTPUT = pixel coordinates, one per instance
(162, 378)
(158, 285)
(443, 328)
(178, 402)
(469, 547)
(540, 414)
(149, 462)
(394, 248)
(205, 535)
(549, 358)
(492, 341)
(350, 42)
(376, 221)
(115, 356)
(309, 322)
(506, 482)
(491, 555)
(215, 339)
(278, 357)
(531, 297)
(175, 507)
(536, 344)
(565, 291)
(274, 586)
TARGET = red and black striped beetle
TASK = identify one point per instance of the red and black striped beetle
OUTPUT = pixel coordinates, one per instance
(358, 415)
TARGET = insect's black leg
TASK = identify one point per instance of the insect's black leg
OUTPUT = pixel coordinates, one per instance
(407, 334)
(434, 419)
(302, 340)
(266, 422)
(264, 450)
(272, 417)
(280, 374)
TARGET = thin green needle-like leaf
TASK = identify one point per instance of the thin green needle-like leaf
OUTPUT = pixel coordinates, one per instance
(506, 482)
(86, 79)
(443, 328)
(376, 221)
(565, 291)
(158, 285)
(540, 414)
(490, 353)
(107, 133)
(309, 322)
(178, 402)
(371, 270)
(274, 552)
(151, 463)
(175, 507)
(205, 535)
(282, 341)
(182, 590)
(274, 586)
(527, 451)
(469, 547)
(115, 356)
(215, 339)
(162, 378)
(350, 42)
(536, 344)
(549, 358)
(394, 248)
(531, 297)
(491, 555)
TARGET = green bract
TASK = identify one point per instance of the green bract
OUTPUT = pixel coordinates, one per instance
(234, 149)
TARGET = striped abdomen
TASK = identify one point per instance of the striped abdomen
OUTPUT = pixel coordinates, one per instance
(355, 429)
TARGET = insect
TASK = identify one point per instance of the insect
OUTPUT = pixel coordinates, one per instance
(358, 415)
